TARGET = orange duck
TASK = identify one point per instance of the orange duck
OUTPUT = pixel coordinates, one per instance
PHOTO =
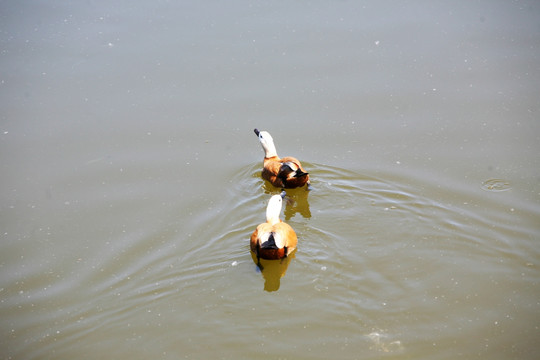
(283, 173)
(273, 239)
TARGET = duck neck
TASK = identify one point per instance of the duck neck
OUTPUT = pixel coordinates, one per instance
(273, 209)
(269, 150)
(272, 220)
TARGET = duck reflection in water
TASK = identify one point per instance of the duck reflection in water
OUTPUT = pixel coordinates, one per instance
(272, 270)
(296, 201)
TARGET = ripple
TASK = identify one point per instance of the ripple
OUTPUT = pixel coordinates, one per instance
(382, 342)
(496, 185)
(380, 256)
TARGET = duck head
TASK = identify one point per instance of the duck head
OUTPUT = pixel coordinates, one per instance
(267, 143)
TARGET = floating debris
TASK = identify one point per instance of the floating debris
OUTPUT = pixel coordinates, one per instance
(496, 185)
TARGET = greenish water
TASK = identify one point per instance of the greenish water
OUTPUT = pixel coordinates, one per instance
(131, 180)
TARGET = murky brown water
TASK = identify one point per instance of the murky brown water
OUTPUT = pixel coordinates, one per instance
(131, 179)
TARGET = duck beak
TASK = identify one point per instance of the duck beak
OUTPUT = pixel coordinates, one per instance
(256, 132)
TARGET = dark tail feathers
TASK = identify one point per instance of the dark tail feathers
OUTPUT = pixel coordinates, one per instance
(300, 173)
(270, 243)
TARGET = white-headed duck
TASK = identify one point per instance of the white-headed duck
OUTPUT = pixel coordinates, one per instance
(284, 173)
(273, 239)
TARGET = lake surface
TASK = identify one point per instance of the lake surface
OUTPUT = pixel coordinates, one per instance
(131, 179)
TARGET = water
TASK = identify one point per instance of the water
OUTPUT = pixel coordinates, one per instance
(131, 179)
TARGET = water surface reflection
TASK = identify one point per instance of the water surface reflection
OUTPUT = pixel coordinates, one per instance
(296, 201)
(131, 179)
(272, 270)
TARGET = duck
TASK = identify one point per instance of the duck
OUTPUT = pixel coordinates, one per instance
(284, 172)
(274, 239)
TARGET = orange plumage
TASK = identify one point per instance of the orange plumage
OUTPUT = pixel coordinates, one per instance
(273, 239)
(284, 172)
